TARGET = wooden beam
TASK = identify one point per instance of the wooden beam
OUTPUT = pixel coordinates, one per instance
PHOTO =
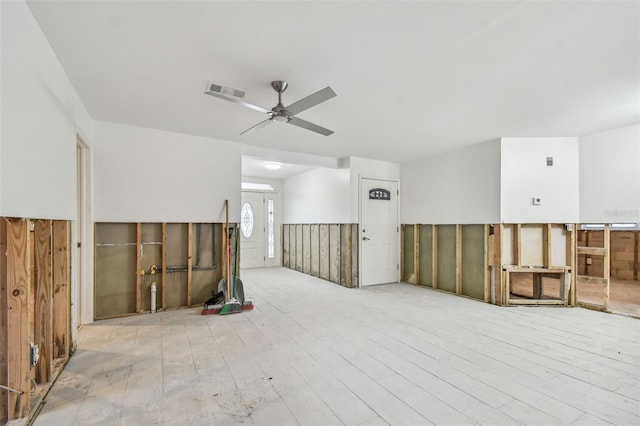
(498, 232)
(636, 249)
(592, 280)
(517, 240)
(572, 262)
(607, 264)
(164, 266)
(416, 253)
(458, 259)
(17, 297)
(434, 256)
(139, 271)
(43, 299)
(4, 397)
(189, 262)
(487, 262)
(348, 256)
(61, 265)
(402, 253)
(546, 245)
(593, 251)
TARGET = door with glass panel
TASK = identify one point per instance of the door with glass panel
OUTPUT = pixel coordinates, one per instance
(258, 230)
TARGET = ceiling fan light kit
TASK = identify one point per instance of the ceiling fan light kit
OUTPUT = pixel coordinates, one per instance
(278, 113)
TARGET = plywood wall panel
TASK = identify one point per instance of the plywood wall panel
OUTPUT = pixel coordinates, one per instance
(43, 314)
(315, 250)
(425, 258)
(285, 246)
(61, 266)
(473, 261)
(299, 247)
(334, 253)
(408, 250)
(531, 245)
(306, 249)
(447, 257)
(324, 251)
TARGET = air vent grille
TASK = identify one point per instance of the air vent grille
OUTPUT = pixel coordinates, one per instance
(223, 90)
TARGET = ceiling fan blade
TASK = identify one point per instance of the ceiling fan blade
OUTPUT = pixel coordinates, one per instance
(309, 126)
(238, 101)
(311, 100)
(260, 125)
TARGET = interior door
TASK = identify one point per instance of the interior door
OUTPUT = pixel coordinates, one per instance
(379, 231)
(252, 227)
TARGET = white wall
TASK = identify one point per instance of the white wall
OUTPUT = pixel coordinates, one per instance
(610, 176)
(147, 175)
(366, 168)
(458, 187)
(41, 114)
(525, 174)
(320, 195)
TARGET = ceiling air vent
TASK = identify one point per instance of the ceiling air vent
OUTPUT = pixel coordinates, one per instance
(223, 90)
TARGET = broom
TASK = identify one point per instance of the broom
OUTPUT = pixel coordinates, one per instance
(232, 306)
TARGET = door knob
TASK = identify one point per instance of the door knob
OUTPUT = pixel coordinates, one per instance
(365, 239)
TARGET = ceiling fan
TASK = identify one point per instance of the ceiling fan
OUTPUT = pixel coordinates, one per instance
(278, 113)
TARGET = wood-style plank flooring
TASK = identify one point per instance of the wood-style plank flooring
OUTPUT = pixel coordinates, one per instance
(315, 353)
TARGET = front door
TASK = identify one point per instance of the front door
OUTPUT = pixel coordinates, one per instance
(379, 231)
(252, 227)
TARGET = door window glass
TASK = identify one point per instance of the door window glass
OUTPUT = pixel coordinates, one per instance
(246, 216)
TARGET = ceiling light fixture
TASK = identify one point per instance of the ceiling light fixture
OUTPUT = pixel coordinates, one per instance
(272, 165)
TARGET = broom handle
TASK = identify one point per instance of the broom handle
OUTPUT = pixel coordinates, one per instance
(227, 250)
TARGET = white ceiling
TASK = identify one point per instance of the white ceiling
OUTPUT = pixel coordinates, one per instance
(413, 79)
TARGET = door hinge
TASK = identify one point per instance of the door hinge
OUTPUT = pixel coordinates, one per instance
(398, 266)
(79, 244)
(398, 192)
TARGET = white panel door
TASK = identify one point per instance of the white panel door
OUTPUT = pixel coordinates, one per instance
(378, 231)
(252, 230)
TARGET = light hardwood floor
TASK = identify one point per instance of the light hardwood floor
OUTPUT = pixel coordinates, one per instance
(315, 353)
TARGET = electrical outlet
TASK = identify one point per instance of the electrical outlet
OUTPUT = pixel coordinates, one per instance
(589, 261)
(536, 201)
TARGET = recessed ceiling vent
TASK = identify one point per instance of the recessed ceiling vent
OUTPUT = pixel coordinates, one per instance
(223, 90)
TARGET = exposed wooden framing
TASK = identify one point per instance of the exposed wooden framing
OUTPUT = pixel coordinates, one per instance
(329, 250)
(607, 264)
(3, 321)
(43, 299)
(498, 276)
(61, 264)
(164, 265)
(517, 250)
(348, 260)
(416, 253)
(572, 261)
(593, 251)
(320, 225)
(593, 280)
(402, 253)
(139, 270)
(434, 257)
(546, 245)
(17, 296)
(458, 259)
(487, 262)
(189, 262)
(538, 274)
(636, 255)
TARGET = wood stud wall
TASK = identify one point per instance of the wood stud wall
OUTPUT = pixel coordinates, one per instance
(470, 260)
(327, 251)
(34, 308)
(123, 278)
